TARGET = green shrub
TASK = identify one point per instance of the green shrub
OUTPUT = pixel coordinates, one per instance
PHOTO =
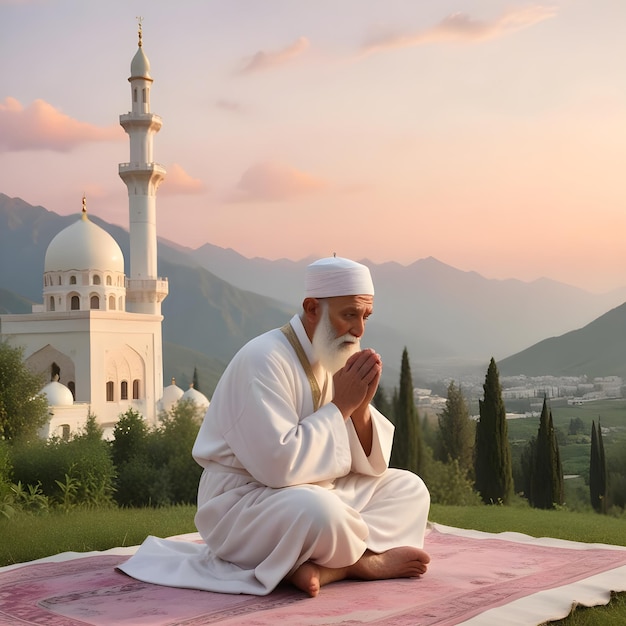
(178, 434)
(448, 483)
(83, 462)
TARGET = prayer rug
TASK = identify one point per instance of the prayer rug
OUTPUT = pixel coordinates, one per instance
(475, 578)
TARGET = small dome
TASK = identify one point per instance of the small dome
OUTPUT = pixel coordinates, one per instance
(196, 397)
(57, 394)
(140, 66)
(171, 395)
(82, 246)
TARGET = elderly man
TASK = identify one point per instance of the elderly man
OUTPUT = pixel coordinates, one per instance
(296, 484)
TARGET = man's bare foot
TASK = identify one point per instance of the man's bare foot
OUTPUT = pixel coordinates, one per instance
(310, 577)
(403, 562)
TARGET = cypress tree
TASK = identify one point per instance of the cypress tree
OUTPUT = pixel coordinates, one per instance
(546, 479)
(492, 461)
(603, 472)
(597, 470)
(406, 452)
(456, 431)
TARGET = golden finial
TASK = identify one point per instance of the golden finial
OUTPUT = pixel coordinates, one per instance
(84, 211)
(140, 31)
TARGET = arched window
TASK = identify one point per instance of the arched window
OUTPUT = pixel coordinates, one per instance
(59, 281)
(72, 387)
(51, 303)
(124, 390)
(96, 279)
(143, 95)
(94, 302)
(112, 303)
(72, 280)
(109, 280)
(110, 391)
(75, 303)
(65, 432)
(136, 389)
(135, 95)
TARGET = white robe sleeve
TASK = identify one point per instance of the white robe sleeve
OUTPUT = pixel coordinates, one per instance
(270, 439)
(382, 438)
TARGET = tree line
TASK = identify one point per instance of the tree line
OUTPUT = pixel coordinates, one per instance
(474, 456)
(463, 461)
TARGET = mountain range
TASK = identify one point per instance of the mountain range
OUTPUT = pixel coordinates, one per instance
(449, 320)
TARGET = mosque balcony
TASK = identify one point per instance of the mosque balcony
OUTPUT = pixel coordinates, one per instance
(141, 120)
(128, 169)
(146, 289)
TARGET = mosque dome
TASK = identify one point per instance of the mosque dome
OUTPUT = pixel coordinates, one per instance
(57, 394)
(196, 397)
(81, 246)
(140, 66)
(171, 395)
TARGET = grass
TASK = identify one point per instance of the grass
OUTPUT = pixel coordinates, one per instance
(27, 537)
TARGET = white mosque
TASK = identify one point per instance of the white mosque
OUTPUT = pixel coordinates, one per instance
(97, 334)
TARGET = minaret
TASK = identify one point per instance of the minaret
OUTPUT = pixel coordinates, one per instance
(144, 289)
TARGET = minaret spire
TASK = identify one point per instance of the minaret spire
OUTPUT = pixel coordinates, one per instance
(145, 290)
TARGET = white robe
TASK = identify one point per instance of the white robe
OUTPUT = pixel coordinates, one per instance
(282, 483)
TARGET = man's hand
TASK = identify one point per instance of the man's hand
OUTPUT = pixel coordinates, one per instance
(356, 383)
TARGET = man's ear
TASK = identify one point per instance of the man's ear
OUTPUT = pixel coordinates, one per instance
(311, 308)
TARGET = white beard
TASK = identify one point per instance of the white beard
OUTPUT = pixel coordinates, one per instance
(331, 351)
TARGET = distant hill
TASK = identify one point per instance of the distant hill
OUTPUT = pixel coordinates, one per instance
(597, 349)
(13, 303)
(444, 315)
(448, 319)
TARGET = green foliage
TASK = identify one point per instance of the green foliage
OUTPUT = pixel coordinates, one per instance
(130, 438)
(545, 472)
(83, 463)
(155, 467)
(576, 426)
(492, 461)
(407, 452)
(141, 480)
(597, 471)
(456, 431)
(178, 434)
(23, 410)
(448, 483)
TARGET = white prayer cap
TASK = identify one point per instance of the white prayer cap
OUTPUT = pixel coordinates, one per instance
(335, 276)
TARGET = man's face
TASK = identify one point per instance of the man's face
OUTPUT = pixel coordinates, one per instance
(339, 329)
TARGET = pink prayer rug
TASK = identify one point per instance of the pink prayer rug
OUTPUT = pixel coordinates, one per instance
(475, 578)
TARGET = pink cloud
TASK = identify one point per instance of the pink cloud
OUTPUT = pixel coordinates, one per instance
(178, 182)
(459, 27)
(42, 127)
(275, 182)
(263, 60)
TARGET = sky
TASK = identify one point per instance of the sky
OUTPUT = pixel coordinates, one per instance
(487, 134)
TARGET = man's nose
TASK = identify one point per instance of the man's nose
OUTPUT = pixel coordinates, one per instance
(358, 328)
